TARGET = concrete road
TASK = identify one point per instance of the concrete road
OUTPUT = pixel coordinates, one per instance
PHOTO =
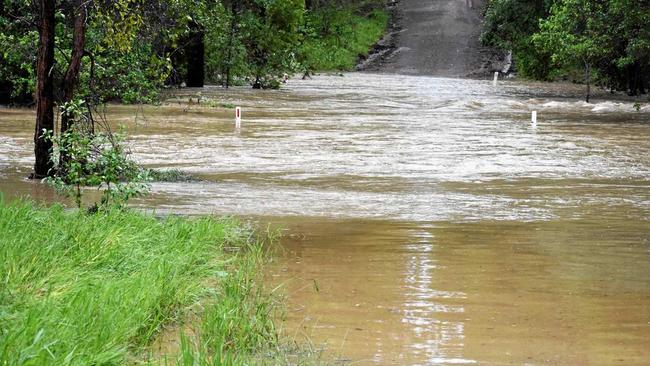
(435, 37)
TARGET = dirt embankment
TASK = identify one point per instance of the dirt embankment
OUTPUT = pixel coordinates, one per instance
(434, 37)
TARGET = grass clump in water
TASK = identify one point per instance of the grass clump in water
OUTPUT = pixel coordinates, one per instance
(169, 175)
(78, 289)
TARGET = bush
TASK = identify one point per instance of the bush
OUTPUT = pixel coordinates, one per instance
(84, 158)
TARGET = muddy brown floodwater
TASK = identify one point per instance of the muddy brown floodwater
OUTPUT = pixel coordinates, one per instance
(428, 223)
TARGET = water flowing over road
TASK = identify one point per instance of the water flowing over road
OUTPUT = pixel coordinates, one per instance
(427, 221)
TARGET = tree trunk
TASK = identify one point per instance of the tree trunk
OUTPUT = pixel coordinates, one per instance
(630, 78)
(196, 57)
(231, 40)
(635, 79)
(258, 82)
(72, 74)
(44, 90)
(588, 80)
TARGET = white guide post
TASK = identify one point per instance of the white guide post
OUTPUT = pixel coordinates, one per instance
(533, 119)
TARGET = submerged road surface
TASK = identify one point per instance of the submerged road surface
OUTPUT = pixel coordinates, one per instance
(428, 223)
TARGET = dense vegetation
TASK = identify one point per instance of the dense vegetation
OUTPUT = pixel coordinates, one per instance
(606, 41)
(80, 289)
(132, 48)
(335, 37)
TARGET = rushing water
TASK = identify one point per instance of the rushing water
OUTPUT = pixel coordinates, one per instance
(427, 221)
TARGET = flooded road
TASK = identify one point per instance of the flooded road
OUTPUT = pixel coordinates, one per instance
(428, 223)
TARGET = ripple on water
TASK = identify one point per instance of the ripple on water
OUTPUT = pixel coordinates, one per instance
(437, 224)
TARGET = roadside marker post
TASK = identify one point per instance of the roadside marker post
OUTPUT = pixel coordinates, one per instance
(533, 119)
(238, 117)
(496, 77)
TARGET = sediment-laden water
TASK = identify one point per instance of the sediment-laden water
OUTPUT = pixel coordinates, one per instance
(428, 222)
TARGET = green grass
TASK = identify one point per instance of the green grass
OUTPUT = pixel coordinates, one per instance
(79, 289)
(235, 323)
(339, 36)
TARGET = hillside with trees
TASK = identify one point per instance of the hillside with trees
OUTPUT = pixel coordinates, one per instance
(605, 42)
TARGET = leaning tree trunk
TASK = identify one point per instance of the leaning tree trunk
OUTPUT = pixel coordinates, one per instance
(72, 74)
(71, 78)
(44, 90)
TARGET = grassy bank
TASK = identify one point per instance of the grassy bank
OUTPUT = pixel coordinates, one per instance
(339, 36)
(78, 289)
